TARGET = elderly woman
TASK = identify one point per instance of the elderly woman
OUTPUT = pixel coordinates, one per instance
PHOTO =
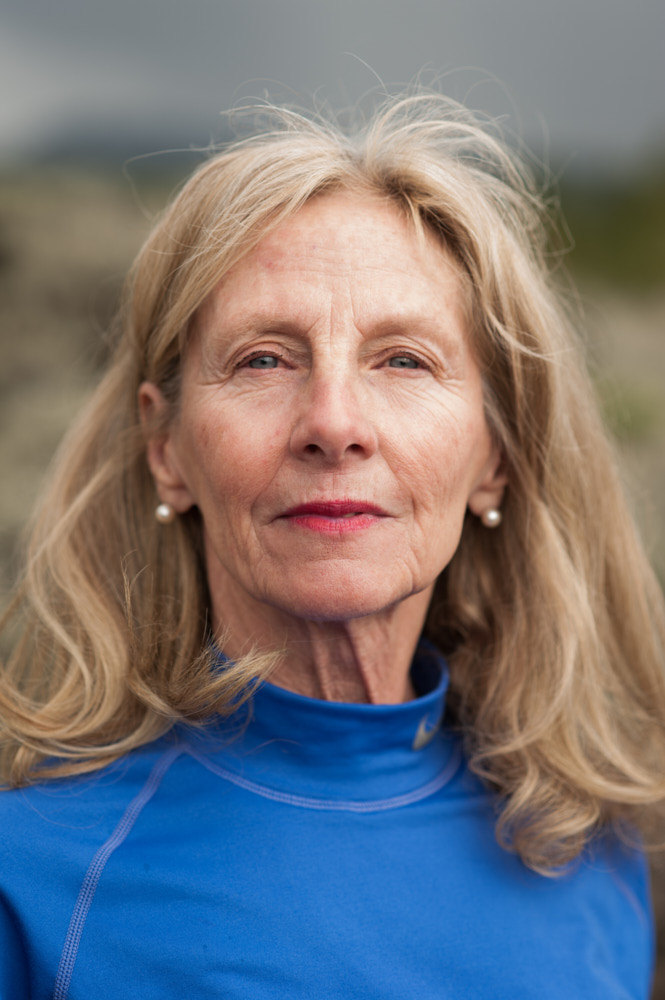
(345, 433)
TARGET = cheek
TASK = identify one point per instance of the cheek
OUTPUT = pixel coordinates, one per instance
(229, 458)
(441, 457)
(442, 472)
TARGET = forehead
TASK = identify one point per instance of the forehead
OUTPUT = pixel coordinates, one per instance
(362, 247)
(337, 226)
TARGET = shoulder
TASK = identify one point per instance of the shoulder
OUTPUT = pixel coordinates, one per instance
(50, 833)
(57, 820)
(597, 911)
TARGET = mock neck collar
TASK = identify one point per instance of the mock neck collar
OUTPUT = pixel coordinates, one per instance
(346, 729)
(337, 751)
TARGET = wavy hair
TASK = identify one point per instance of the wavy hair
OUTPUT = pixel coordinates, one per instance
(553, 625)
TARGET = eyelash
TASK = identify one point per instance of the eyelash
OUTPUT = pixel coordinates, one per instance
(413, 357)
(258, 354)
(279, 357)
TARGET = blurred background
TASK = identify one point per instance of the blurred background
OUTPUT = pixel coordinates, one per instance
(103, 106)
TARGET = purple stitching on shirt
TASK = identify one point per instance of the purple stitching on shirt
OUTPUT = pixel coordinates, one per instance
(341, 805)
(96, 867)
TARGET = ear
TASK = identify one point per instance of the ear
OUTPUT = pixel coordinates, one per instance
(490, 486)
(161, 449)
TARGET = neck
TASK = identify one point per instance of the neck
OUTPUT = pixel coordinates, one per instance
(363, 659)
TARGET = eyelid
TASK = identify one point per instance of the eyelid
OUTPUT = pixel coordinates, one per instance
(266, 353)
(387, 355)
(406, 353)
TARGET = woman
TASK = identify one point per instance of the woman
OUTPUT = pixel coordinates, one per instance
(346, 410)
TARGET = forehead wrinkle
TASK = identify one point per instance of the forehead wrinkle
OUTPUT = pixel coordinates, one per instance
(379, 249)
(398, 318)
(380, 246)
(317, 259)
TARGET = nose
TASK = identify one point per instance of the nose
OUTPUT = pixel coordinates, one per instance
(333, 421)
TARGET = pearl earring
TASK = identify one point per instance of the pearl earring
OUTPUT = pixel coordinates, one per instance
(491, 517)
(164, 513)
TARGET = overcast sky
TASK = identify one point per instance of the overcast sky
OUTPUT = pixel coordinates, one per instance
(584, 77)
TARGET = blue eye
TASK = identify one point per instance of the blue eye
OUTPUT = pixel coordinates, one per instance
(263, 361)
(403, 361)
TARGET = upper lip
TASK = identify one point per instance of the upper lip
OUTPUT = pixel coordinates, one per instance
(335, 508)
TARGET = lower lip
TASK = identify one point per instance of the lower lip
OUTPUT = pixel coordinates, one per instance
(333, 525)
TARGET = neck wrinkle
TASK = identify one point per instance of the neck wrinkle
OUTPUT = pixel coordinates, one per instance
(364, 660)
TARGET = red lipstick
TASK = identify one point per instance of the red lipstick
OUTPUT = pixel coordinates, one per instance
(334, 515)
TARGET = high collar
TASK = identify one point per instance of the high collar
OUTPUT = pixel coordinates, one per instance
(337, 751)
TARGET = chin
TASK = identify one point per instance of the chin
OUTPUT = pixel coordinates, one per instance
(337, 599)
(331, 611)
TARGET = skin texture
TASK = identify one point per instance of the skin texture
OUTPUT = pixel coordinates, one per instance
(331, 364)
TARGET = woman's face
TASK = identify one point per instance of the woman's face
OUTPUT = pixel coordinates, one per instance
(331, 427)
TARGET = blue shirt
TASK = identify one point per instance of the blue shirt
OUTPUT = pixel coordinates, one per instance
(304, 849)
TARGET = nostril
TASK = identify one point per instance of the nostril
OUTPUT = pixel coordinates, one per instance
(332, 426)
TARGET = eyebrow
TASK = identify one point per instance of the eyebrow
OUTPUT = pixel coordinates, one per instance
(249, 324)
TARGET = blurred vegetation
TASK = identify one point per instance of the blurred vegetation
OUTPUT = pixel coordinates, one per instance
(618, 228)
(632, 412)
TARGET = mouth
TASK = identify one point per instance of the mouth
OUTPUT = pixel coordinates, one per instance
(334, 515)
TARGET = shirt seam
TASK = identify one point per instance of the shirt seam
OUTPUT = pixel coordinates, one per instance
(335, 805)
(96, 868)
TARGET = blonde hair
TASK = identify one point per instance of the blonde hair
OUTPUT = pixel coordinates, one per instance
(553, 624)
